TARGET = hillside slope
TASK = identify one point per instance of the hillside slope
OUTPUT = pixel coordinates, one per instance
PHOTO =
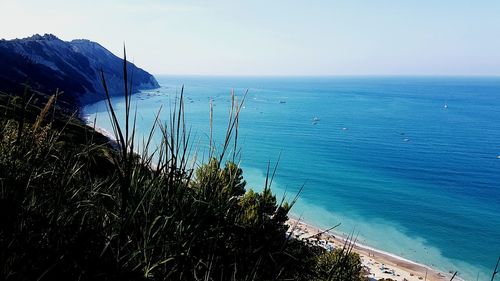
(48, 63)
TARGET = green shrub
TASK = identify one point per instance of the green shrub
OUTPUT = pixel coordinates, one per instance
(339, 265)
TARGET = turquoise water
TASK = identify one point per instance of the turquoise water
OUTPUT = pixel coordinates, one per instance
(386, 158)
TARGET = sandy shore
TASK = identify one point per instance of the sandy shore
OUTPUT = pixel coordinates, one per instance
(102, 131)
(377, 263)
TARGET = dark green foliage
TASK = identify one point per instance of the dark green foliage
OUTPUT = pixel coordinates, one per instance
(49, 205)
(339, 265)
(72, 207)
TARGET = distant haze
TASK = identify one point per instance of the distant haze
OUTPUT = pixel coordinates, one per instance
(279, 37)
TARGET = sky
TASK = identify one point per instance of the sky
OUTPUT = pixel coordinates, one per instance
(276, 37)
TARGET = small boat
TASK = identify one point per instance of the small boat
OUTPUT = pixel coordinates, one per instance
(282, 101)
(445, 105)
(316, 119)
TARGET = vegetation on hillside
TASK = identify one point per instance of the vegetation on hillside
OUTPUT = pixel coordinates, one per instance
(49, 63)
(74, 206)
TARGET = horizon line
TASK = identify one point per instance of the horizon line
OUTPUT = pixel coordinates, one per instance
(331, 75)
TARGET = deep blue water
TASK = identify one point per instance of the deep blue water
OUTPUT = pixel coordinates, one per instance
(386, 159)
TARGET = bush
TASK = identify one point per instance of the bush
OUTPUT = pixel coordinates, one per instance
(339, 265)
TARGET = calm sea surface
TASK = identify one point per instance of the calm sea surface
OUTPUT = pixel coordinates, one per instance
(412, 164)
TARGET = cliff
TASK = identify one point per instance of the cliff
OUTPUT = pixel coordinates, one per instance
(48, 63)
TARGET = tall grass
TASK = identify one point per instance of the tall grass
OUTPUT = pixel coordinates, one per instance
(73, 207)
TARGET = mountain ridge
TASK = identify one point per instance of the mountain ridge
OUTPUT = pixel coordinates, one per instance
(48, 63)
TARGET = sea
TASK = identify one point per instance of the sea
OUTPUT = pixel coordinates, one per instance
(409, 165)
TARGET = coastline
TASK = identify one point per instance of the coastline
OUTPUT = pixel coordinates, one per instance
(91, 123)
(372, 259)
(377, 263)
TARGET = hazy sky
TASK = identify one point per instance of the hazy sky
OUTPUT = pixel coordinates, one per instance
(277, 37)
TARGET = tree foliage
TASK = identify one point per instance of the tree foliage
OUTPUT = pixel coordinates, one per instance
(339, 265)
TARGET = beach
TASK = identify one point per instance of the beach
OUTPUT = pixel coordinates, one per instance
(405, 151)
(376, 263)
